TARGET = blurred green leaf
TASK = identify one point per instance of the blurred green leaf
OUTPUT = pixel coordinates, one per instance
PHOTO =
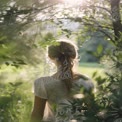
(94, 74)
(99, 49)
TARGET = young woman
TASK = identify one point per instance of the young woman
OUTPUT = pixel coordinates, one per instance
(52, 90)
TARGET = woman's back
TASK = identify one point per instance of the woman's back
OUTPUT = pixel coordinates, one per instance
(56, 93)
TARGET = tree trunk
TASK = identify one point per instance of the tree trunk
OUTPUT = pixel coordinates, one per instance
(116, 18)
(117, 26)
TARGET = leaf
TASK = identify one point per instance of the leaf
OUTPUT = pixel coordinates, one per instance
(12, 84)
(67, 31)
(94, 74)
(99, 49)
(4, 46)
(18, 83)
(3, 38)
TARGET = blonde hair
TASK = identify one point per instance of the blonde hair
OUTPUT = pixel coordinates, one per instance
(65, 53)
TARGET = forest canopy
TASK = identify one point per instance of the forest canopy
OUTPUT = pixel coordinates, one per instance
(27, 25)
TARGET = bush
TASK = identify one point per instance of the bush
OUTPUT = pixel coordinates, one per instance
(15, 102)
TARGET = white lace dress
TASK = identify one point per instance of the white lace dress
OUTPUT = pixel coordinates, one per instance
(55, 92)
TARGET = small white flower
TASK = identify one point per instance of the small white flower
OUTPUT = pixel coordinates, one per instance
(19, 101)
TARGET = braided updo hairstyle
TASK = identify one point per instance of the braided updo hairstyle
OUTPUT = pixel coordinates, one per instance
(64, 53)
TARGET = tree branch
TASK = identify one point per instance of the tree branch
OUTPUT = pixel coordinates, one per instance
(101, 8)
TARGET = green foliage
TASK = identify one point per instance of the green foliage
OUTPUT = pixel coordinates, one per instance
(21, 43)
(94, 48)
(99, 49)
(47, 39)
(15, 104)
(18, 32)
(104, 104)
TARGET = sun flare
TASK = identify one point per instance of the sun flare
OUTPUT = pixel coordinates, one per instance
(73, 2)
